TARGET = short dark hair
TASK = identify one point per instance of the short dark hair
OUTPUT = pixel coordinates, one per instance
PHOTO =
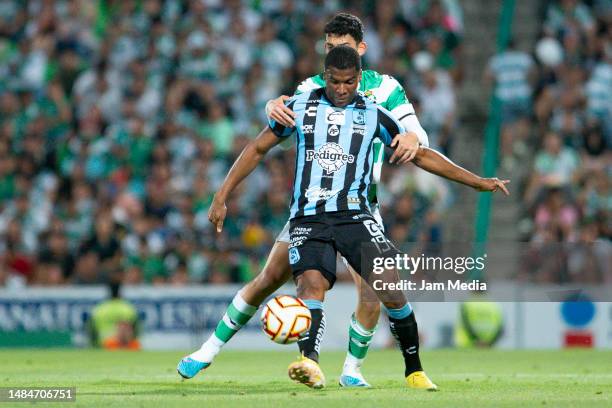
(344, 23)
(343, 57)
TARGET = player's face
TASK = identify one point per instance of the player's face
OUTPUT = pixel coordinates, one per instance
(332, 41)
(341, 85)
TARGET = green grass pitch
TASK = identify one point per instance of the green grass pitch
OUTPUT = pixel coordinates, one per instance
(259, 379)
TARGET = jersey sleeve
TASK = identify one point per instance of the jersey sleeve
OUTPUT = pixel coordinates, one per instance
(397, 102)
(388, 126)
(281, 130)
(310, 84)
(397, 96)
(402, 110)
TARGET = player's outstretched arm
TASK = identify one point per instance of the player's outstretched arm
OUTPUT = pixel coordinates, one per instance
(438, 164)
(249, 158)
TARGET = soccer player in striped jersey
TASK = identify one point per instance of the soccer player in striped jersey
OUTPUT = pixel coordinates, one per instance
(342, 29)
(335, 130)
(347, 29)
(330, 210)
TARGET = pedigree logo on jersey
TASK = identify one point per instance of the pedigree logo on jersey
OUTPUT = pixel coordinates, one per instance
(330, 156)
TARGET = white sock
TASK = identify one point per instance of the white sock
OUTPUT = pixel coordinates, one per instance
(359, 342)
(352, 364)
(209, 350)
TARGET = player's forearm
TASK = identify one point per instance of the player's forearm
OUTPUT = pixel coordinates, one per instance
(440, 165)
(244, 165)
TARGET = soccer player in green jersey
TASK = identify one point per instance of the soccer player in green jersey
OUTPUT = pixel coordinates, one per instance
(343, 29)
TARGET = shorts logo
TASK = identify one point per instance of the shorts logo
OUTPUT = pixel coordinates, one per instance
(330, 156)
(334, 117)
(297, 237)
(333, 131)
(307, 129)
(359, 117)
(314, 194)
(311, 111)
(378, 237)
(294, 256)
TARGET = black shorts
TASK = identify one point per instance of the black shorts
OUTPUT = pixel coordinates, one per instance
(355, 234)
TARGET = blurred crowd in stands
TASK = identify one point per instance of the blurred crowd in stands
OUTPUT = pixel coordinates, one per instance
(119, 119)
(556, 110)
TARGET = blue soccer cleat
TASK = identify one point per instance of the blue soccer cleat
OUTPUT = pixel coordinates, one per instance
(188, 367)
(353, 381)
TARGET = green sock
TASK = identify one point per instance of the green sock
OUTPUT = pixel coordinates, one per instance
(359, 343)
(238, 313)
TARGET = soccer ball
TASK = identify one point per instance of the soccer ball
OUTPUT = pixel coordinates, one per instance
(285, 318)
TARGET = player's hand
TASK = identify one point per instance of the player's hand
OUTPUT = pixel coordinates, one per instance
(216, 213)
(279, 112)
(406, 146)
(493, 184)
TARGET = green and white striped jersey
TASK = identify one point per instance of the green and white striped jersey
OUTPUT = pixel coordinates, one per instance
(385, 91)
(382, 89)
(511, 71)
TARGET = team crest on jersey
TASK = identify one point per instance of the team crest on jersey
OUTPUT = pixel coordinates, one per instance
(330, 156)
(334, 117)
(359, 117)
(370, 95)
